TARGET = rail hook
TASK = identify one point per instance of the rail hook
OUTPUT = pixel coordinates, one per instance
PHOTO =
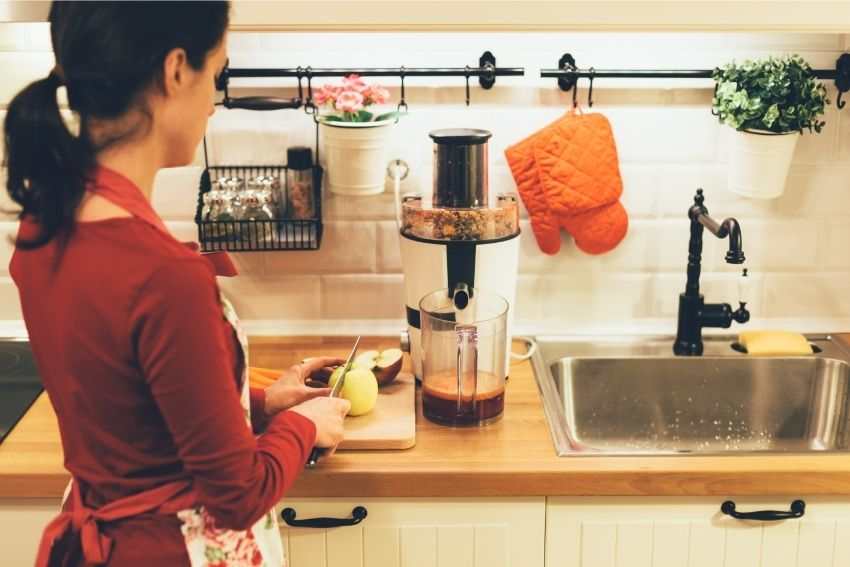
(467, 85)
(402, 104)
(590, 90)
(298, 74)
(310, 106)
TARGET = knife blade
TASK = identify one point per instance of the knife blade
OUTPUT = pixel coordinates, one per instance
(337, 388)
(346, 368)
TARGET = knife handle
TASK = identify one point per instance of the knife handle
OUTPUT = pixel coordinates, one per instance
(314, 457)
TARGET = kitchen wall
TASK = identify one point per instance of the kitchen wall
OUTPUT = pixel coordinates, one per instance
(669, 145)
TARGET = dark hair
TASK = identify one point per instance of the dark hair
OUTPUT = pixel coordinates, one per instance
(107, 55)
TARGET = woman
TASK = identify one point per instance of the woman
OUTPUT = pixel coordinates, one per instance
(137, 352)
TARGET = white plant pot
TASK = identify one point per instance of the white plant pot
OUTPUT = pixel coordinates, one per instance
(759, 163)
(356, 156)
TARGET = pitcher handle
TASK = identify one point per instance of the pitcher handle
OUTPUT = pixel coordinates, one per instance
(467, 351)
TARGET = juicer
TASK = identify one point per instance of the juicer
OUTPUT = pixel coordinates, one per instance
(456, 239)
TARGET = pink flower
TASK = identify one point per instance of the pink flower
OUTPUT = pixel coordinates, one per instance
(349, 101)
(327, 93)
(377, 94)
(354, 83)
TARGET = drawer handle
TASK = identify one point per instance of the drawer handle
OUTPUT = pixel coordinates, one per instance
(798, 508)
(357, 516)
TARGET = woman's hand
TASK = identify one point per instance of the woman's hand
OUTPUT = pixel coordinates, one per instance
(328, 414)
(291, 388)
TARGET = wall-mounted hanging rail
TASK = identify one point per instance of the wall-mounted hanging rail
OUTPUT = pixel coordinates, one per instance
(568, 74)
(486, 72)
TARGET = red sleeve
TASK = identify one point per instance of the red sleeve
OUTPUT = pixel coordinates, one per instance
(259, 419)
(180, 342)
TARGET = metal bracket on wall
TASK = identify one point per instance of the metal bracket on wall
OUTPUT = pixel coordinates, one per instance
(842, 77)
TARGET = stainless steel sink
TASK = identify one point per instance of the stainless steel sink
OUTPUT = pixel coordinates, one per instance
(630, 395)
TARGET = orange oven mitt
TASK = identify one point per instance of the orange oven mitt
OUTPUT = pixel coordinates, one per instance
(568, 176)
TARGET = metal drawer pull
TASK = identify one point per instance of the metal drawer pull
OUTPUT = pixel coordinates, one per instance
(798, 508)
(357, 516)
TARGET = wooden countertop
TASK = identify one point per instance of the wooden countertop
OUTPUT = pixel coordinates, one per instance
(514, 457)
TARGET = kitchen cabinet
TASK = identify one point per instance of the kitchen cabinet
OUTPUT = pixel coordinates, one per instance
(692, 532)
(419, 532)
(589, 531)
(21, 524)
(480, 15)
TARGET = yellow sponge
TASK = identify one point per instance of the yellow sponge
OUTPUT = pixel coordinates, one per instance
(774, 343)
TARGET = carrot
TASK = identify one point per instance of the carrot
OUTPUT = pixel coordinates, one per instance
(262, 377)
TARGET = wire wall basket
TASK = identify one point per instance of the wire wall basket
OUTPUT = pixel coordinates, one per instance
(229, 232)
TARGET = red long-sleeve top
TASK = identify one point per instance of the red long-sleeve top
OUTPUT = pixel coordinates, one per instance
(142, 370)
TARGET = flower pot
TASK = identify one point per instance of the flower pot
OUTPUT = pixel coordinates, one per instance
(759, 163)
(356, 156)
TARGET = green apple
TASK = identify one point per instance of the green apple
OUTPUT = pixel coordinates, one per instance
(385, 365)
(360, 388)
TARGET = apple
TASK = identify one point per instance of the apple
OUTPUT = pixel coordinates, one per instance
(385, 364)
(360, 388)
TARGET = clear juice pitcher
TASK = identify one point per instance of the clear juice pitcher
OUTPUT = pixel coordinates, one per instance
(464, 337)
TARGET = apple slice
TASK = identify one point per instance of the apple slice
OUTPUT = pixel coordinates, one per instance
(385, 365)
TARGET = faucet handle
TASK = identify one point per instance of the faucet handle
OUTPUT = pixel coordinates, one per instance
(744, 287)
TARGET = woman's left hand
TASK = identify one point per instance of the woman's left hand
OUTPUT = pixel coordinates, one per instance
(291, 388)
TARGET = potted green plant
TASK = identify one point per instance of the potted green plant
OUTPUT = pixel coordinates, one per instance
(769, 102)
(354, 138)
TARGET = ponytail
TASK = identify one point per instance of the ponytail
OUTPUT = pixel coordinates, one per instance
(47, 166)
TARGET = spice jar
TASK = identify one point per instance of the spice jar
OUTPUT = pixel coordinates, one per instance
(218, 210)
(271, 185)
(299, 183)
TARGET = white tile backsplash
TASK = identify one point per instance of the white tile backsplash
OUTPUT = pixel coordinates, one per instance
(8, 230)
(10, 303)
(21, 68)
(389, 253)
(646, 135)
(8, 208)
(363, 296)
(779, 245)
(641, 185)
(798, 246)
(347, 247)
(580, 297)
(274, 298)
(814, 192)
(175, 194)
(25, 36)
(806, 295)
(814, 148)
(834, 248)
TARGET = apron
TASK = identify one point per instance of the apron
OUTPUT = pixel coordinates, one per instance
(76, 531)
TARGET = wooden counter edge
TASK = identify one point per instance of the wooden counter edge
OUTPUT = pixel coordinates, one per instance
(473, 485)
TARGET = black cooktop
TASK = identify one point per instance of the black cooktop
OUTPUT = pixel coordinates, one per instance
(19, 383)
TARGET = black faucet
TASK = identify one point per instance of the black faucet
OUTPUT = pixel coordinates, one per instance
(694, 313)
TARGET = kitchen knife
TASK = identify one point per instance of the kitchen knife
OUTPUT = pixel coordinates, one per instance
(318, 451)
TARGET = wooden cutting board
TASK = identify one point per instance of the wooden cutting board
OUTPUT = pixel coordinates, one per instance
(391, 425)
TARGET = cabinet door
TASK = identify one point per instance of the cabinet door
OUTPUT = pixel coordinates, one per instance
(419, 532)
(21, 524)
(677, 532)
